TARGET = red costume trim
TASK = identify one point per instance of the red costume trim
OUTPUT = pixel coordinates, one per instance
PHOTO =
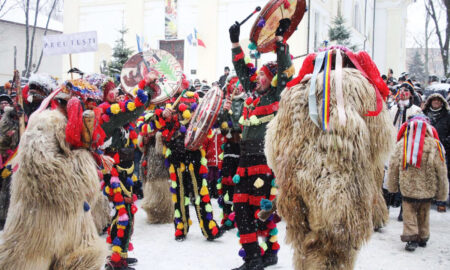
(255, 200)
(240, 198)
(238, 56)
(248, 238)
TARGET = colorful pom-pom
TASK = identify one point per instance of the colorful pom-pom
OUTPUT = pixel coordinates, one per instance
(187, 114)
(236, 179)
(115, 257)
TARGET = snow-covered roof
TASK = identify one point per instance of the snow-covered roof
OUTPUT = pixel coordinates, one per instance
(17, 15)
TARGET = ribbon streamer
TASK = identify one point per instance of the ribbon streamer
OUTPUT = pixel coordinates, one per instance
(312, 100)
(326, 92)
(339, 93)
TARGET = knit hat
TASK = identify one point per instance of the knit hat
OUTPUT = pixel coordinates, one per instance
(408, 85)
(270, 69)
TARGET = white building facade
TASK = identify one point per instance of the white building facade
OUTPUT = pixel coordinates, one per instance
(377, 26)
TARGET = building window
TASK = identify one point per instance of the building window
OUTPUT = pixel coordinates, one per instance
(357, 17)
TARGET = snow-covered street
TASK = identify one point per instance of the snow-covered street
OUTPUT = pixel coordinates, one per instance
(156, 248)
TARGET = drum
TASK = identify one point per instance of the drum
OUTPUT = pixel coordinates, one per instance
(167, 67)
(263, 30)
(204, 117)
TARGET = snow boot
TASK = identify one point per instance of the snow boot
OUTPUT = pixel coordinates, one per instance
(131, 261)
(180, 238)
(218, 235)
(411, 245)
(422, 243)
(441, 208)
(400, 216)
(270, 259)
(253, 264)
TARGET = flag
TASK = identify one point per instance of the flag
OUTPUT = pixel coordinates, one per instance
(139, 43)
(199, 41)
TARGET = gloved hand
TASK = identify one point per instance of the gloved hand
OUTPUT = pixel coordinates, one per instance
(283, 27)
(235, 31)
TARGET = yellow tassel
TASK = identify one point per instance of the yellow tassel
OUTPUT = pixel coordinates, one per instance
(201, 223)
(187, 114)
(273, 239)
(171, 169)
(135, 141)
(211, 225)
(168, 106)
(204, 191)
(189, 93)
(182, 167)
(273, 191)
(191, 167)
(275, 81)
(6, 173)
(121, 227)
(174, 198)
(190, 222)
(180, 226)
(117, 190)
(134, 178)
(115, 108)
(224, 125)
(164, 150)
(131, 106)
(107, 190)
(120, 207)
(116, 249)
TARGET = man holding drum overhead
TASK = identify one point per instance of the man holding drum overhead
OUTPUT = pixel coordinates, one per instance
(254, 179)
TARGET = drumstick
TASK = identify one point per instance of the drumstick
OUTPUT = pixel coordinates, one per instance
(257, 9)
(178, 99)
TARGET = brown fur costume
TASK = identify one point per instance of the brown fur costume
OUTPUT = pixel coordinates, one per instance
(329, 182)
(47, 226)
(157, 201)
(100, 214)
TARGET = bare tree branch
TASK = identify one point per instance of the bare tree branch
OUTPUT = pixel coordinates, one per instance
(45, 33)
(28, 68)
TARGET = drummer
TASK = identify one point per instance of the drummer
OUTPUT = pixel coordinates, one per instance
(187, 169)
(254, 179)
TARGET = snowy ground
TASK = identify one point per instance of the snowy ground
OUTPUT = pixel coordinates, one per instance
(156, 248)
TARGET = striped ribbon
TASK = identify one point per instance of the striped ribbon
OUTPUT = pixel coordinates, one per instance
(339, 93)
(326, 92)
(439, 145)
(312, 100)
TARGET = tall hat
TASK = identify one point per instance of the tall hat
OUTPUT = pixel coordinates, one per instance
(102, 82)
(39, 86)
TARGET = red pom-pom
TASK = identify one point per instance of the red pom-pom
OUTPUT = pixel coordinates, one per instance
(196, 95)
(122, 211)
(249, 101)
(271, 225)
(100, 174)
(145, 172)
(173, 177)
(206, 199)
(122, 106)
(108, 230)
(144, 163)
(203, 170)
(133, 135)
(141, 84)
(120, 233)
(162, 122)
(104, 106)
(118, 198)
(114, 172)
(307, 68)
(214, 231)
(108, 240)
(165, 133)
(138, 102)
(158, 112)
(262, 251)
(135, 199)
(117, 159)
(133, 208)
(105, 118)
(253, 77)
(182, 107)
(178, 233)
(275, 246)
(130, 247)
(115, 257)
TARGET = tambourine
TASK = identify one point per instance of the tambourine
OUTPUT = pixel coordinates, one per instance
(204, 117)
(166, 66)
(265, 26)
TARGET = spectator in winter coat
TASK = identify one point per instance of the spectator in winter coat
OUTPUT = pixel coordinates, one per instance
(417, 168)
(223, 78)
(437, 109)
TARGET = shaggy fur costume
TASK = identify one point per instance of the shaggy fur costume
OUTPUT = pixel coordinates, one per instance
(101, 214)
(329, 182)
(157, 201)
(48, 226)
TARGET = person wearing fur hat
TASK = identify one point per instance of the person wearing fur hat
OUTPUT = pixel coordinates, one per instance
(417, 169)
(437, 110)
(228, 120)
(405, 106)
(9, 140)
(254, 179)
(187, 169)
(38, 88)
(5, 101)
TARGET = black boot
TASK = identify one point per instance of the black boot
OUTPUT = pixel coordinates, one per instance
(131, 261)
(253, 264)
(180, 238)
(400, 216)
(422, 243)
(411, 245)
(218, 235)
(270, 259)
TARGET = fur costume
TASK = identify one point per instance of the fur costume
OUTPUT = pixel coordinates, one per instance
(49, 225)
(9, 139)
(157, 200)
(100, 214)
(330, 180)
